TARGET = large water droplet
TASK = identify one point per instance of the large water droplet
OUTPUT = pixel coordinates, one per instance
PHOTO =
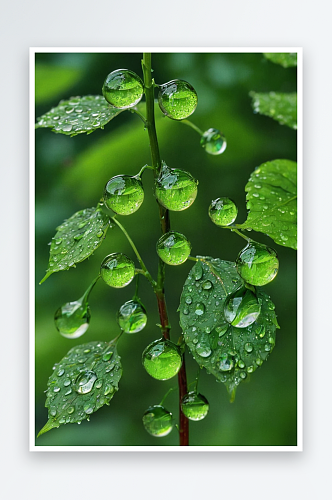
(117, 270)
(173, 248)
(85, 381)
(175, 189)
(257, 264)
(241, 307)
(199, 309)
(124, 194)
(72, 319)
(222, 211)
(194, 406)
(132, 317)
(227, 362)
(162, 359)
(158, 421)
(213, 141)
(177, 99)
(123, 88)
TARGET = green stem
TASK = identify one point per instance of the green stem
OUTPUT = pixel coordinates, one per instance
(165, 227)
(88, 291)
(234, 230)
(142, 117)
(139, 258)
(144, 168)
(192, 125)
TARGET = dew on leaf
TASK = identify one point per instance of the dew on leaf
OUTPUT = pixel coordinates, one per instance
(85, 381)
(241, 307)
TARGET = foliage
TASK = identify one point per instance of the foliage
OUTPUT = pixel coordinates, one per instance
(228, 352)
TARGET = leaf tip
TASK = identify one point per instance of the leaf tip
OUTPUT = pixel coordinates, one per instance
(47, 275)
(47, 427)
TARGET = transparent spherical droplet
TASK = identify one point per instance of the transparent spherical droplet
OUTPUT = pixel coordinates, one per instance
(72, 319)
(176, 189)
(241, 307)
(124, 194)
(123, 88)
(222, 211)
(194, 406)
(177, 99)
(257, 264)
(199, 308)
(173, 248)
(158, 421)
(226, 362)
(162, 359)
(131, 317)
(117, 270)
(85, 381)
(213, 141)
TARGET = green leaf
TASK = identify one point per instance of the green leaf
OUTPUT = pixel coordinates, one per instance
(286, 59)
(209, 337)
(76, 239)
(272, 202)
(52, 81)
(280, 107)
(79, 115)
(85, 380)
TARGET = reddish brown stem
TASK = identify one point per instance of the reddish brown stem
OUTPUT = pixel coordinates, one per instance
(184, 422)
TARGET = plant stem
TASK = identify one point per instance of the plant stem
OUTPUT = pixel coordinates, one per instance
(139, 258)
(193, 126)
(165, 227)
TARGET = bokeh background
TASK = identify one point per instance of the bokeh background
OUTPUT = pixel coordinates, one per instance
(71, 174)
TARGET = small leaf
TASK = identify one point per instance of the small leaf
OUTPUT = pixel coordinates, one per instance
(280, 107)
(214, 343)
(79, 115)
(285, 59)
(76, 239)
(272, 202)
(85, 380)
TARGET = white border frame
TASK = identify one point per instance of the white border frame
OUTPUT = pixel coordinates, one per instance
(32, 446)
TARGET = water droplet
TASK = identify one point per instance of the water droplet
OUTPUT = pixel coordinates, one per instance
(117, 270)
(207, 285)
(222, 211)
(198, 270)
(68, 391)
(85, 381)
(98, 384)
(203, 349)
(158, 421)
(227, 362)
(257, 264)
(62, 420)
(132, 317)
(109, 389)
(173, 248)
(199, 309)
(241, 307)
(188, 300)
(213, 141)
(56, 389)
(71, 409)
(177, 99)
(53, 412)
(175, 189)
(162, 359)
(60, 372)
(88, 408)
(241, 364)
(123, 88)
(107, 356)
(124, 194)
(248, 347)
(194, 406)
(250, 369)
(72, 319)
(267, 347)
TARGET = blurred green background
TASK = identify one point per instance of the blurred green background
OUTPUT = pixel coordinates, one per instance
(71, 174)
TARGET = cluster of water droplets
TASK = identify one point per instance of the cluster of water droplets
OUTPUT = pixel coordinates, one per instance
(78, 115)
(82, 382)
(123, 88)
